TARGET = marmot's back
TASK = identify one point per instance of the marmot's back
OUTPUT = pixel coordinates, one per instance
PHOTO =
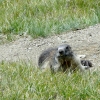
(47, 55)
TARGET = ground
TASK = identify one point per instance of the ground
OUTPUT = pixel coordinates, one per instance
(84, 41)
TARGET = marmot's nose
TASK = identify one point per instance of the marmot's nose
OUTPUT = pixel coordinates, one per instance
(61, 52)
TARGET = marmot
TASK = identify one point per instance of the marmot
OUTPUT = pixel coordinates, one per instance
(62, 58)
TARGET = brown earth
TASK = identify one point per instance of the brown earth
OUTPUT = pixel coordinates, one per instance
(85, 41)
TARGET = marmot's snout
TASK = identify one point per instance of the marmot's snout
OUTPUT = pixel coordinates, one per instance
(61, 52)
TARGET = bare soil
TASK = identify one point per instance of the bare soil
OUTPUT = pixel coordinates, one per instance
(85, 41)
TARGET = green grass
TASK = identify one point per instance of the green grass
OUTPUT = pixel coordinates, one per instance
(47, 17)
(21, 81)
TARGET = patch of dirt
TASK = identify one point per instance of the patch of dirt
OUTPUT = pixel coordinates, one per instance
(85, 41)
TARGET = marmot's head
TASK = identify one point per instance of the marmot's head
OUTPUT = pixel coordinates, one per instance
(64, 51)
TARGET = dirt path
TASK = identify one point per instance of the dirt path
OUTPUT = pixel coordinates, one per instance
(85, 41)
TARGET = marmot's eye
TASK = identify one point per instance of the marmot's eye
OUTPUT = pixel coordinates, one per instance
(67, 47)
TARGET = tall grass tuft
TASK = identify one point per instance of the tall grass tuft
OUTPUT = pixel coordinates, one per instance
(46, 17)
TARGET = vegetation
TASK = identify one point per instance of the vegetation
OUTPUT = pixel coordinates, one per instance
(46, 17)
(21, 81)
